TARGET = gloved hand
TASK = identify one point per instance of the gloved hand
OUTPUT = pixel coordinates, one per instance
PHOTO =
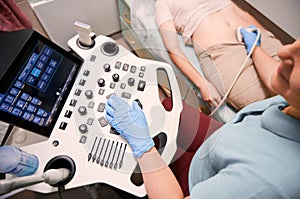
(249, 37)
(131, 123)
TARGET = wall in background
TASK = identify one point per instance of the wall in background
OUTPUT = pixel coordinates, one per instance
(26, 8)
(58, 17)
(285, 13)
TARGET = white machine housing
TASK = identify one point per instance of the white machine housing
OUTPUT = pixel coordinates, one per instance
(81, 131)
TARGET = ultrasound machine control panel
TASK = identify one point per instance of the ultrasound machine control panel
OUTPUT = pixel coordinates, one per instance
(62, 97)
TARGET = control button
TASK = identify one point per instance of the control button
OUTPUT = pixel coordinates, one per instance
(55, 143)
(48, 70)
(77, 92)
(53, 63)
(114, 131)
(31, 79)
(93, 58)
(115, 77)
(26, 97)
(83, 139)
(73, 102)
(130, 81)
(139, 103)
(141, 75)
(9, 99)
(86, 72)
(118, 65)
(89, 94)
(112, 85)
(41, 112)
(91, 104)
(126, 95)
(68, 114)
(143, 68)
(45, 77)
(5, 107)
(41, 84)
(27, 116)
(101, 82)
(110, 48)
(90, 121)
(19, 84)
(82, 110)
(14, 91)
(16, 112)
(47, 51)
(38, 120)
(141, 86)
(82, 82)
(63, 125)
(83, 128)
(31, 108)
(102, 121)
(101, 91)
(36, 101)
(123, 86)
(20, 104)
(125, 67)
(132, 69)
(106, 67)
(101, 107)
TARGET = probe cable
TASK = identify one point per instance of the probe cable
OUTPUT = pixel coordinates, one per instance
(239, 73)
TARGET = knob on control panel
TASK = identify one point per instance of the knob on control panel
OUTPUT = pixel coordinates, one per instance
(101, 82)
(89, 94)
(82, 110)
(83, 128)
(115, 77)
(106, 67)
(131, 81)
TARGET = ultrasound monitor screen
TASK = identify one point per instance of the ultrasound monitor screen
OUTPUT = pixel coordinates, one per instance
(34, 88)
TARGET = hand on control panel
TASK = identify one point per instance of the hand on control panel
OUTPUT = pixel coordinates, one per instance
(131, 123)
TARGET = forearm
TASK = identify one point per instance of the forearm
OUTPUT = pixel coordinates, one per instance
(188, 69)
(207, 90)
(131, 123)
(265, 65)
(158, 178)
(170, 39)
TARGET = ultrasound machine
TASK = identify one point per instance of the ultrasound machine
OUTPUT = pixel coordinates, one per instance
(60, 96)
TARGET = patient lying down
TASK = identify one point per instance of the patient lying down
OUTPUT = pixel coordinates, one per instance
(210, 26)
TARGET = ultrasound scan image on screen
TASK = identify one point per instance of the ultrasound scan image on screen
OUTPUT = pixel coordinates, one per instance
(34, 87)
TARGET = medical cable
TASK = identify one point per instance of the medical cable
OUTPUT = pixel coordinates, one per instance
(239, 73)
(51, 177)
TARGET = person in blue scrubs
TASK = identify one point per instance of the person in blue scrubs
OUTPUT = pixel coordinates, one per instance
(255, 155)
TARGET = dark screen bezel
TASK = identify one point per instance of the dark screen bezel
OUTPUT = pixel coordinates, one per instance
(17, 65)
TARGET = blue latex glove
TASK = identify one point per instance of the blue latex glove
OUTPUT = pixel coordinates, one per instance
(131, 123)
(249, 38)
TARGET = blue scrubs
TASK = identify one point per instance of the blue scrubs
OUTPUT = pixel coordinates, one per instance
(256, 155)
